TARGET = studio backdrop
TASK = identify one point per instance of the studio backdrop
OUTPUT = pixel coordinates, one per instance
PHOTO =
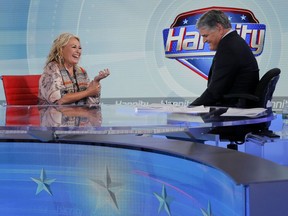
(132, 39)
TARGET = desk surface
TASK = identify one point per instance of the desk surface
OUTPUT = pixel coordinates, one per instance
(114, 118)
(109, 119)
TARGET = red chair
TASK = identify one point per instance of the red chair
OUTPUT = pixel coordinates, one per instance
(21, 89)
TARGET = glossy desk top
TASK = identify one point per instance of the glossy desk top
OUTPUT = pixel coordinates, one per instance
(112, 119)
(47, 123)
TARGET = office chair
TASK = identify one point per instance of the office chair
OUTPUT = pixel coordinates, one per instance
(21, 89)
(263, 94)
(262, 97)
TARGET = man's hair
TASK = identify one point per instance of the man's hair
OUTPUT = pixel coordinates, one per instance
(211, 18)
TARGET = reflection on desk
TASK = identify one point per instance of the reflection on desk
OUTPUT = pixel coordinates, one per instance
(66, 116)
(117, 116)
(73, 119)
(53, 116)
(216, 116)
(111, 119)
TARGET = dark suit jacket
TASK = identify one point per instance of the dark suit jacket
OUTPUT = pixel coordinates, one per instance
(234, 70)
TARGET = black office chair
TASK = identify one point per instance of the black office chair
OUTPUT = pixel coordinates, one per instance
(262, 97)
(263, 94)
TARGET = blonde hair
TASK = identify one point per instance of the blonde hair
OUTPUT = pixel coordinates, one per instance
(55, 53)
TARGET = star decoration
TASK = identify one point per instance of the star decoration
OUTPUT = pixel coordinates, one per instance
(208, 212)
(164, 201)
(105, 188)
(243, 17)
(185, 22)
(43, 183)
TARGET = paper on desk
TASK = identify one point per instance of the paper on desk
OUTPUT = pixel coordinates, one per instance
(170, 108)
(251, 112)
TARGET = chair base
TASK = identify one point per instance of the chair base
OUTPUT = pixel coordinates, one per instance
(232, 146)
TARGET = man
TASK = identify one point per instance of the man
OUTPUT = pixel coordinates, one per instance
(234, 68)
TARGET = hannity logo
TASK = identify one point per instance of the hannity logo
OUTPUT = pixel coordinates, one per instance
(183, 42)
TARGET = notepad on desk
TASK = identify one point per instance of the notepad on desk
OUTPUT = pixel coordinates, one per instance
(251, 112)
(170, 108)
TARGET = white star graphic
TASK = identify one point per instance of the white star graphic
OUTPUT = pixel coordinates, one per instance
(43, 183)
(208, 212)
(105, 189)
(185, 22)
(243, 17)
(164, 201)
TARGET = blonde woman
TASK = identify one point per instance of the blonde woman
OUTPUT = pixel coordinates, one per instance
(63, 81)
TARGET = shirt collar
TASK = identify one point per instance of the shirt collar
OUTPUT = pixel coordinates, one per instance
(227, 33)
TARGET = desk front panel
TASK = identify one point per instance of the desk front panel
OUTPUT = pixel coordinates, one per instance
(82, 179)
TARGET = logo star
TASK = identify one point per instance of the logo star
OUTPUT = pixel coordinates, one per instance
(43, 183)
(164, 201)
(243, 17)
(208, 212)
(185, 22)
(105, 188)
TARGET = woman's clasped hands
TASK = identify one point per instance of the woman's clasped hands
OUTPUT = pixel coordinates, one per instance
(94, 87)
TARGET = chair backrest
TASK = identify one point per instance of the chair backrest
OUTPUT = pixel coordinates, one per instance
(266, 87)
(21, 89)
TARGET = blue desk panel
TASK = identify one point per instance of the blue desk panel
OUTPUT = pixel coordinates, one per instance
(81, 179)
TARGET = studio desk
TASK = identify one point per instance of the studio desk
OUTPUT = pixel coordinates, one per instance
(111, 160)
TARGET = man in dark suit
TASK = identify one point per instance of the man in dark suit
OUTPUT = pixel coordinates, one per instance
(234, 68)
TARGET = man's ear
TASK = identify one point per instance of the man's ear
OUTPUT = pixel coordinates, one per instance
(219, 27)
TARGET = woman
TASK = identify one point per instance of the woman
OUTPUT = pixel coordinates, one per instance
(63, 81)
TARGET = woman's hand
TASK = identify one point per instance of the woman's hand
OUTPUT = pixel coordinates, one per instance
(102, 74)
(94, 88)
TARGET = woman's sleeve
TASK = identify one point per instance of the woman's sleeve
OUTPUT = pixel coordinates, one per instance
(51, 84)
